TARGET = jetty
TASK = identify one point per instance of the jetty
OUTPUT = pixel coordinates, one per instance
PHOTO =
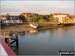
(7, 36)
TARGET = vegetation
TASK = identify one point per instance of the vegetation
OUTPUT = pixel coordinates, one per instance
(39, 18)
(46, 18)
(33, 19)
(42, 20)
(22, 18)
(51, 18)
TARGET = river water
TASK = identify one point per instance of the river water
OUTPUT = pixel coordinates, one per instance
(46, 41)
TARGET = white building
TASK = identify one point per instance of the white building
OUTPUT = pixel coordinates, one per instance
(60, 18)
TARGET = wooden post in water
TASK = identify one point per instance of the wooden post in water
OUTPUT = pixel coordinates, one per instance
(16, 36)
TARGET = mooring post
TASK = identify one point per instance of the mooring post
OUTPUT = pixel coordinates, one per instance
(17, 44)
(9, 41)
(16, 36)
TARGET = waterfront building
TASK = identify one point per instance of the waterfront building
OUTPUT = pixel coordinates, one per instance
(64, 18)
(3, 17)
(10, 19)
(13, 19)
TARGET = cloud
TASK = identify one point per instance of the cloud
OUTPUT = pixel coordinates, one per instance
(45, 7)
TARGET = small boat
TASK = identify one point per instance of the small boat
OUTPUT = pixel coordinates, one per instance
(33, 25)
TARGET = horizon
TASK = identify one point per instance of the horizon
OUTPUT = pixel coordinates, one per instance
(39, 7)
(32, 13)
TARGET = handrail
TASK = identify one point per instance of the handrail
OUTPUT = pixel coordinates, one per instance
(7, 49)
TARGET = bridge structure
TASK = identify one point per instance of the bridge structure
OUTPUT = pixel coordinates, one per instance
(5, 49)
(8, 38)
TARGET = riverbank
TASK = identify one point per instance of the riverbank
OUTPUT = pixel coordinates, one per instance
(46, 26)
(26, 27)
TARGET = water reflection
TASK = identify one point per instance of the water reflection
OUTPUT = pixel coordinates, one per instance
(33, 31)
(45, 42)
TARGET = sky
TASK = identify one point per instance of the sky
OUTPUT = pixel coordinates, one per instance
(17, 7)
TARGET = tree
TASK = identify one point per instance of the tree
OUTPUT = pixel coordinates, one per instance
(30, 20)
(42, 20)
(40, 17)
(46, 17)
(22, 18)
(51, 18)
(33, 19)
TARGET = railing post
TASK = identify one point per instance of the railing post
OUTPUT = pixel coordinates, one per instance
(6, 40)
(9, 42)
(16, 36)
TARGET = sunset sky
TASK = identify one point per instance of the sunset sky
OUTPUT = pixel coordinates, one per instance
(40, 7)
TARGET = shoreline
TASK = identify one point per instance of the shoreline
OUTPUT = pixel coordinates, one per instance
(26, 27)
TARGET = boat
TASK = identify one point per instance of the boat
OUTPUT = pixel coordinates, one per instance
(5, 49)
(33, 25)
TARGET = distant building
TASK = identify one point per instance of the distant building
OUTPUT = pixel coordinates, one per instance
(29, 15)
(64, 18)
(3, 17)
(13, 19)
(10, 19)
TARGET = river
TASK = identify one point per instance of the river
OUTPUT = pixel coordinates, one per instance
(46, 41)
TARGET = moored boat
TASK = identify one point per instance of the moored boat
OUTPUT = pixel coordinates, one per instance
(33, 25)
